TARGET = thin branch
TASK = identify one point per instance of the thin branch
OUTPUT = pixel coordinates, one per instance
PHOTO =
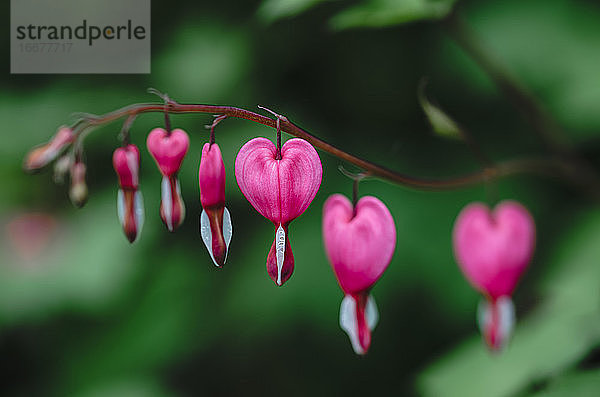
(550, 167)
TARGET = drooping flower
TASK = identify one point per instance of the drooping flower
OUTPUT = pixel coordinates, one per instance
(359, 243)
(215, 220)
(40, 156)
(78, 193)
(130, 205)
(168, 150)
(280, 190)
(493, 249)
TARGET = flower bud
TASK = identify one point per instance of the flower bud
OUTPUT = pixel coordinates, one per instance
(61, 167)
(215, 220)
(40, 156)
(79, 191)
(130, 205)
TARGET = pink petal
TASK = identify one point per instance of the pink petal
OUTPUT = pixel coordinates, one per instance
(126, 161)
(360, 247)
(494, 248)
(211, 177)
(168, 150)
(280, 190)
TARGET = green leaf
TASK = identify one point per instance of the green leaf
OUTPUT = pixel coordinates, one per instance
(272, 10)
(379, 13)
(577, 384)
(557, 335)
(441, 123)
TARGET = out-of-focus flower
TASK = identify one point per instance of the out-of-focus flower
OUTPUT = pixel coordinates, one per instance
(360, 243)
(42, 155)
(493, 250)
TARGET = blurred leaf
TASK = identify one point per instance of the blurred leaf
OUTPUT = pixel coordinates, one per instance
(580, 384)
(272, 10)
(379, 13)
(569, 314)
(441, 123)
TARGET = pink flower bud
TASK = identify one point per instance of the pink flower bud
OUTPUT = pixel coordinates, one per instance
(78, 193)
(280, 190)
(130, 206)
(126, 161)
(168, 151)
(493, 250)
(215, 220)
(360, 244)
(40, 156)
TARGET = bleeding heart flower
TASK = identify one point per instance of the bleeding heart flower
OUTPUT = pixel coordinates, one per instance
(280, 190)
(39, 157)
(215, 221)
(130, 205)
(168, 150)
(359, 244)
(493, 250)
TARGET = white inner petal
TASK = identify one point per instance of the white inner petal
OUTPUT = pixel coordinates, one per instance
(484, 315)
(227, 230)
(279, 251)
(506, 312)
(138, 204)
(181, 203)
(371, 313)
(167, 201)
(348, 322)
(506, 318)
(206, 234)
(121, 206)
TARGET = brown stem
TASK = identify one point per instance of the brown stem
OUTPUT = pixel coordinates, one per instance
(549, 166)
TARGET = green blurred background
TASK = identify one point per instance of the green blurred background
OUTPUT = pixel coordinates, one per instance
(83, 313)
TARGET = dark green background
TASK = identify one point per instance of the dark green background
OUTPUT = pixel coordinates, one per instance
(94, 316)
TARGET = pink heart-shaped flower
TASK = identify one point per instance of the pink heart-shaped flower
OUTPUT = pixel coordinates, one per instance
(280, 190)
(167, 149)
(494, 248)
(359, 243)
(359, 247)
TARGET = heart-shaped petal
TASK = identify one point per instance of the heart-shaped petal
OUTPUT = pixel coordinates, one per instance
(359, 247)
(494, 248)
(280, 190)
(167, 149)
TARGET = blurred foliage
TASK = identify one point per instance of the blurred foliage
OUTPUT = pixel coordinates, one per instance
(90, 315)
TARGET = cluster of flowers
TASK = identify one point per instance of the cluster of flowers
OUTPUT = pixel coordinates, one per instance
(492, 248)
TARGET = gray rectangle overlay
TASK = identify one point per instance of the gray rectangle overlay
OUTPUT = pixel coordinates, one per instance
(80, 36)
